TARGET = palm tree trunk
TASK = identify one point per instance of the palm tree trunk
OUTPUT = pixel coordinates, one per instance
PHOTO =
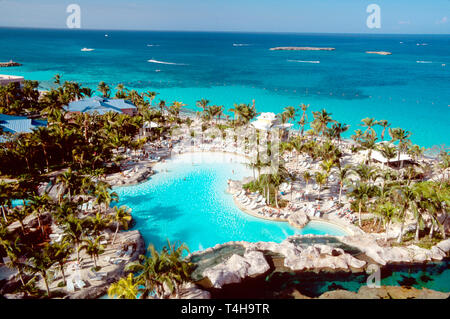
(386, 227)
(359, 213)
(115, 234)
(340, 193)
(400, 236)
(416, 237)
(44, 276)
(61, 266)
(4, 213)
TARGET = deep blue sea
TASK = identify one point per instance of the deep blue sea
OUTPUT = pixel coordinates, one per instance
(228, 68)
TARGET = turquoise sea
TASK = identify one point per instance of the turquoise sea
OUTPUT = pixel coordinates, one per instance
(410, 88)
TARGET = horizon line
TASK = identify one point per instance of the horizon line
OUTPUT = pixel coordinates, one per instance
(215, 31)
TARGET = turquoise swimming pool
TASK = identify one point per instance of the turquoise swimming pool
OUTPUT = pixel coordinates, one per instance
(186, 201)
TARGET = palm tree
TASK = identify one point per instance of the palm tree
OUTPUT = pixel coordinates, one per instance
(304, 119)
(74, 232)
(388, 151)
(103, 195)
(5, 198)
(338, 129)
(361, 192)
(384, 124)
(307, 177)
(93, 248)
(404, 197)
(19, 213)
(387, 211)
(289, 112)
(151, 95)
(369, 123)
(104, 89)
(57, 78)
(321, 120)
(69, 180)
(125, 288)
(343, 173)
(39, 205)
(14, 251)
(321, 179)
(121, 217)
(60, 253)
(402, 136)
(203, 104)
(161, 270)
(40, 263)
(98, 223)
(42, 137)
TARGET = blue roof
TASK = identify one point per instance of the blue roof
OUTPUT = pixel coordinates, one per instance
(18, 124)
(100, 105)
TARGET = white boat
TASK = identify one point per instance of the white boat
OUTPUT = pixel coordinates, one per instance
(87, 49)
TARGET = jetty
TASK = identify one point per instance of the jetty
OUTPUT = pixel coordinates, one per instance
(302, 49)
(8, 64)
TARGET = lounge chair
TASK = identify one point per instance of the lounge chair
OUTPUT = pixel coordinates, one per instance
(129, 251)
(70, 287)
(80, 283)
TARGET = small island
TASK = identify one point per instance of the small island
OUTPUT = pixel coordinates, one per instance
(8, 64)
(301, 49)
(379, 52)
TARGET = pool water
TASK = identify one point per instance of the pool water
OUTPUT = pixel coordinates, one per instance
(186, 201)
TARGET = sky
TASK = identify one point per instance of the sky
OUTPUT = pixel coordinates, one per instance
(321, 16)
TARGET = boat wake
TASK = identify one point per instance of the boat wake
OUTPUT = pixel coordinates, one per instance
(87, 49)
(153, 45)
(424, 62)
(241, 44)
(162, 62)
(301, 61)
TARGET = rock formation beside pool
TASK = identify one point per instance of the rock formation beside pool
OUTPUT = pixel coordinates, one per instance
(236, 268)
(298, 219)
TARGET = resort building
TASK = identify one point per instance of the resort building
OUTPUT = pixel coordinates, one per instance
(6, 79)
(268, 120)
(101, 106)
(17, 125)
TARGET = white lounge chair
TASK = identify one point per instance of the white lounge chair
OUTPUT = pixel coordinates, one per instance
(69, 286)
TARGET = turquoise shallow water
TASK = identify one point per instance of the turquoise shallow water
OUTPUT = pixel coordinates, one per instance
(188, 203)
(347, 82)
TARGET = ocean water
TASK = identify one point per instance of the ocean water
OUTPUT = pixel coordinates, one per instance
(229, 68)
(186, 201)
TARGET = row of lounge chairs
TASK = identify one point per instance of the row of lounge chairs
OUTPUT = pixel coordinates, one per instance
(248, 202)
(273, 213)
(346, 214)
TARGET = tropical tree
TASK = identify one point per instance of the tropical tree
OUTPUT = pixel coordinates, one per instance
(40, 262)
(387, 211)
(74, 232)
(93, 248)
(404, 197)
(104, 89)
(60, 253)
(402, 136)
(361, 193)
(384, 124)
(121, 218)
(125, 288)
